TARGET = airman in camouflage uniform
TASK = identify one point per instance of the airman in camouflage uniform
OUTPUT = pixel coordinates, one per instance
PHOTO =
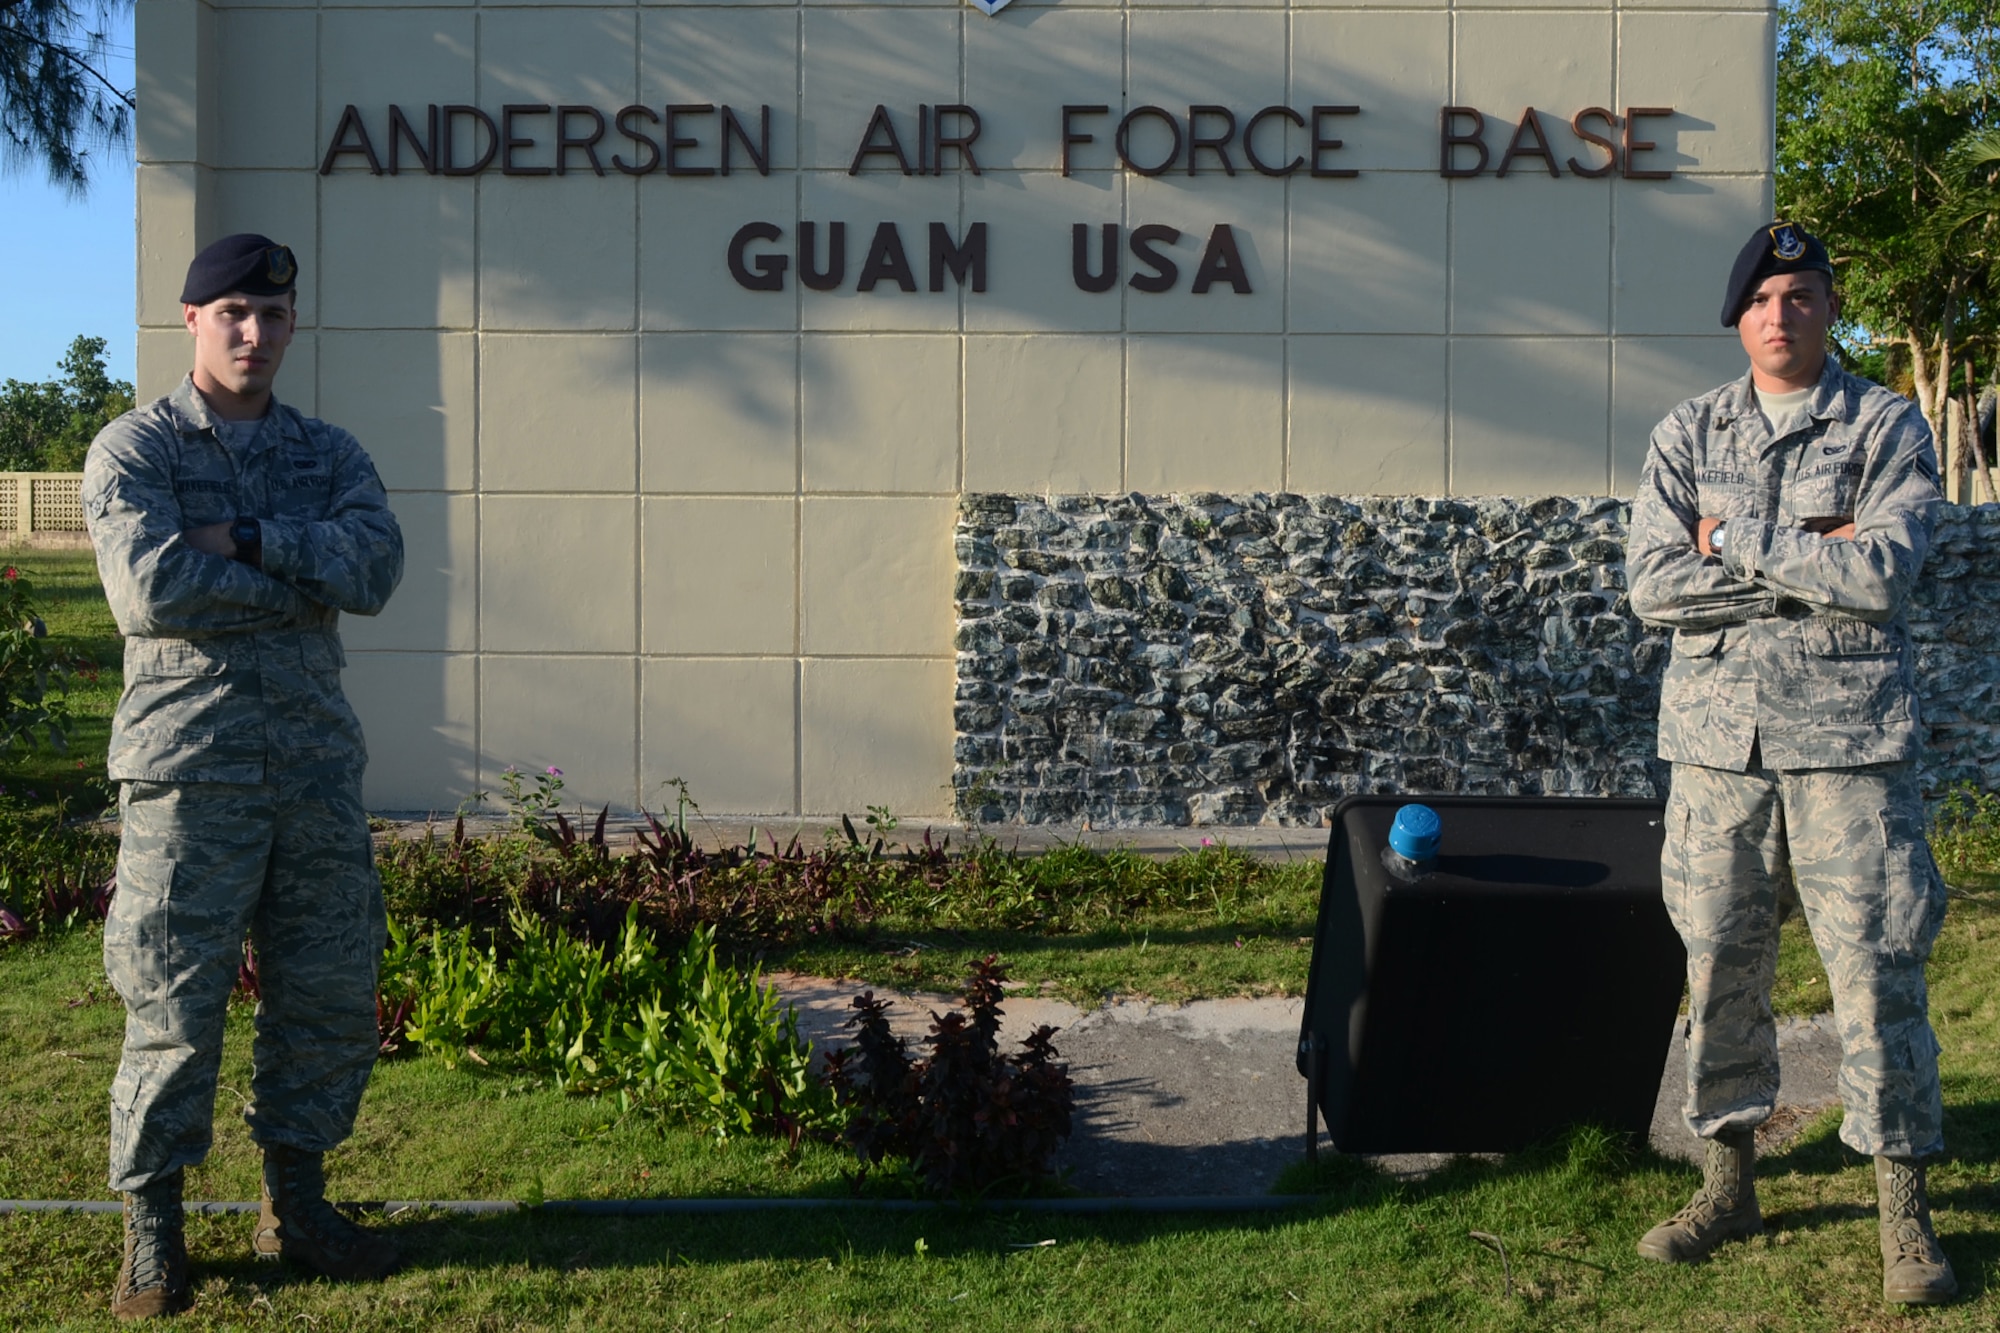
(230, 532)
(1780, 524)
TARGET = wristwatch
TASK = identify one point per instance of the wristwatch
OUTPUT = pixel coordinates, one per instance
(1715, 538)
(248, 534)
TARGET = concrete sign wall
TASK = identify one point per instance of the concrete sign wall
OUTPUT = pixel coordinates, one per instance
(679, 330)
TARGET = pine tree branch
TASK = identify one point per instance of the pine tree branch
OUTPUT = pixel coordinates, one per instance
(131, 102)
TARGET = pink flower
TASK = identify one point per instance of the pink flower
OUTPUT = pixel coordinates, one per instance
(554, 772)
(12, 574)
(1208, 842)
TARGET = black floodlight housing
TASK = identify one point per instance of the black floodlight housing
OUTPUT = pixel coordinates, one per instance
(1485, 977)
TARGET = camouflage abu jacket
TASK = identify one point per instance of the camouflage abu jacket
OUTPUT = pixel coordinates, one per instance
(232, 671)
(1791, 641)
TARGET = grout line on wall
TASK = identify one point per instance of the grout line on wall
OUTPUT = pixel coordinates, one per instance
(1450, 285)
(1124, 186)
(1611, 208)
(478, 433)
(319, 228)
(638, 452)
(1285, 290)
(799, 431)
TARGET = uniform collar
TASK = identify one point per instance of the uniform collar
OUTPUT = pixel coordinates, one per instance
(193, 413)
(1834, 397)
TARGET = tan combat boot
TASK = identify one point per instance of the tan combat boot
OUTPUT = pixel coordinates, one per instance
(1914, 1269)
(153, 1280)
(1724, 1208)
(297, 1223)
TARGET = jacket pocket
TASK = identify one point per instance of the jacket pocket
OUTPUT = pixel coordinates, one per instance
(1686, 690)
(1856, 672)
(1698, 643)
(1844, 637)
(188, 709)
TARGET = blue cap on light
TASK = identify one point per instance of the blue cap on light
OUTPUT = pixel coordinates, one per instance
(1414, 835)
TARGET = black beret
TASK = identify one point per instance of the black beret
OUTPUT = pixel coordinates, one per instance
(1775, 247)
(246, 262)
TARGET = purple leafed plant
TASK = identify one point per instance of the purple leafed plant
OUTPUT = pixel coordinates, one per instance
(967, 1119)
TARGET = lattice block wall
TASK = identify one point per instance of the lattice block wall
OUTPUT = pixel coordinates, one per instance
(41, 502)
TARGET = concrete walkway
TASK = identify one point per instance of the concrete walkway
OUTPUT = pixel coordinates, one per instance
(1204, 1098)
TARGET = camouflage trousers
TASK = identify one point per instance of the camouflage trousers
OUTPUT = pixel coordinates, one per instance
(1852, 842)
(200, 865)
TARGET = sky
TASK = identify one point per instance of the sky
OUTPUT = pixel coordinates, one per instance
(69, 266)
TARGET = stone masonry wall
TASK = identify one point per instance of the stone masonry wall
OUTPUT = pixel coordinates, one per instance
(1240, 659)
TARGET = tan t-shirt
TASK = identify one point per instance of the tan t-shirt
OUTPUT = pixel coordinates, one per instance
(1780, 408)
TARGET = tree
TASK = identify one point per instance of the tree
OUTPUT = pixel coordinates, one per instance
(48, 427)
(57, 105)
(1873, 97)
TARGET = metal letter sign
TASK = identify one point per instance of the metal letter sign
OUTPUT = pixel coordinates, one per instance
(989, 7)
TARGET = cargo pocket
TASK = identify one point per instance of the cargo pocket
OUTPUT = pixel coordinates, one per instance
(138, 939)
(1674, 878)
(323, 658)
(1914, 893)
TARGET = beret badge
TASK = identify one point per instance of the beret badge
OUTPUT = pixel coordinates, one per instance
(245, 262)
(1786, 243)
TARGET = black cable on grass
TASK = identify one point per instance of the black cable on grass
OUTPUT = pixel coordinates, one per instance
(1195, 1203)
(1506, 1268)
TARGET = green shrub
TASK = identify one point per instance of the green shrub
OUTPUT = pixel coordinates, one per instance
(53, 875)
(720, 1050)
(34, 677)
(1965, 832)
(444, 987)
(685, 1035)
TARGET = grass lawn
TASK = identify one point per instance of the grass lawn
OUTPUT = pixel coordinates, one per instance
(1365, 1253)
(1368, 1253)
(1256, 941)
